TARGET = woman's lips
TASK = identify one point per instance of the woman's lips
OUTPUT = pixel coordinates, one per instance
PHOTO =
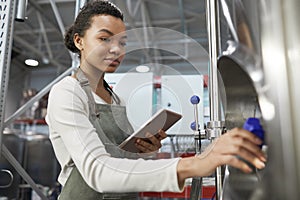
(113, 62)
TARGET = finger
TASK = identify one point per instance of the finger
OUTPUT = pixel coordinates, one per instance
(251, 158)
(155, 141)
(237, 163)
(140, 145)
(239, 132)
(145, 146)
(238, 146)
(142, 148)
(161, 135)
(246, 150)
(223, 159)
(249, 146)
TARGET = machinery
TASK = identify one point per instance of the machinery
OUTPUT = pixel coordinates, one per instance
(259, 75)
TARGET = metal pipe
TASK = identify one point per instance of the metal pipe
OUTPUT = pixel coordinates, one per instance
(60, 22)
(57, 17)
(21, 10)
(196, 188)
(227, 16)
(78, 6)
(43, 31)
(136, 8)
(145, 30)
(215, 128)
(213, 53)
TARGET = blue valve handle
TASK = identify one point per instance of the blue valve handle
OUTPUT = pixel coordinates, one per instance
(193, 126)
(253, 125)
(195, 99)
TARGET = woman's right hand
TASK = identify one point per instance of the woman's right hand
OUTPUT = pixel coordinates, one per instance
(224, 151)
(236, 142)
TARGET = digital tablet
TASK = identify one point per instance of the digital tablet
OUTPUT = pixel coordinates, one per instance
(163, 119)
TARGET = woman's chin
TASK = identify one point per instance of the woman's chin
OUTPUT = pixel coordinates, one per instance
(111, 69)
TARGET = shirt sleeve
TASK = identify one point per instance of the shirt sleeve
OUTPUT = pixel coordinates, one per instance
(74, 137)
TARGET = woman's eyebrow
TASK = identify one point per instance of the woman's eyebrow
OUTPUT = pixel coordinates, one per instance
(106, 31)
(111, 33)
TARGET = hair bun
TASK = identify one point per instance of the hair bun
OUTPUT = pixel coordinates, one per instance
(68, 40)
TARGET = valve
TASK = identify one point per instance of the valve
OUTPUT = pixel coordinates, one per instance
(253, 125)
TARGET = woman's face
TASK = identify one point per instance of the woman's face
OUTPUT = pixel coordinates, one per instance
(103, 44)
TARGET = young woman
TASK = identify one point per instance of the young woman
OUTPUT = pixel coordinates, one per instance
(87, 121)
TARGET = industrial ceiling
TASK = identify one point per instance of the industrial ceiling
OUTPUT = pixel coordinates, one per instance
(177, 39)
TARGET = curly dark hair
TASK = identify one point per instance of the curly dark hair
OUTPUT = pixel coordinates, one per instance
(83, 20)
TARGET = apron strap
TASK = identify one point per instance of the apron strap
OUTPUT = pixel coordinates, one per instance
(114, 96)
(84, 83)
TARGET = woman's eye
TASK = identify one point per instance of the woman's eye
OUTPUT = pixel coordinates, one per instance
(123, 44)
(105, 39)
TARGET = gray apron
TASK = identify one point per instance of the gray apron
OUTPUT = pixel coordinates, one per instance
(113, 127)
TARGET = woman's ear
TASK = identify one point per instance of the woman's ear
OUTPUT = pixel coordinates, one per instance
(78, 41)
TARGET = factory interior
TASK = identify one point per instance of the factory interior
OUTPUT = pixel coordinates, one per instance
(216, 62)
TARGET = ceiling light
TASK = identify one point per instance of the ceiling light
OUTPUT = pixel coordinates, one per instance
(31, 62)
(142, 68)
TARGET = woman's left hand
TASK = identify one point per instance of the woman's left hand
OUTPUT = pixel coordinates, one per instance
(151, 143)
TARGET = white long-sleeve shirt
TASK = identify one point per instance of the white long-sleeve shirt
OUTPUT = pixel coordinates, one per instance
(74, 138)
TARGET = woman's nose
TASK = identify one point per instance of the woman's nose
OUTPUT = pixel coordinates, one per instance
(116, 48)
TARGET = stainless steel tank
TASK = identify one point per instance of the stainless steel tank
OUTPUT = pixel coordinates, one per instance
(260, 79)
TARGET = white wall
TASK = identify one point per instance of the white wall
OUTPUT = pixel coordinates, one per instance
(137, 91)
(176, 93)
